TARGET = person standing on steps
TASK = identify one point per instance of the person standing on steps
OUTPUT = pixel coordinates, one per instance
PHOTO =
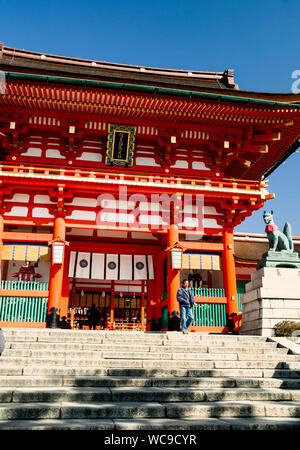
(186, 301)
(93, 317)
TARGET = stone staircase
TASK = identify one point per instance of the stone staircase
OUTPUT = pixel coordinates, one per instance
(65, 379)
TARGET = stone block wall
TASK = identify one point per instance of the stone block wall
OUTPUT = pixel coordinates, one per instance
(272, 295)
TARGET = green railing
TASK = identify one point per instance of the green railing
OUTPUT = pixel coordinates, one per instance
(24, 285)
(164, 296)
(212, 292)
(205, 315)
(165, 315)
(241, 289)
(209, 315)
(23, 309)
(208, 292)
(240, 307)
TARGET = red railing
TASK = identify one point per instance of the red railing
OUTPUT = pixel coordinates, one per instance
(110, 176)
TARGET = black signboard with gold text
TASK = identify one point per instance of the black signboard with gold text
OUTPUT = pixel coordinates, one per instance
(120, 145)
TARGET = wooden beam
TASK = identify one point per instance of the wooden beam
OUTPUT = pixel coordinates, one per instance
(27, 237)
(203, 246)
(140, 249)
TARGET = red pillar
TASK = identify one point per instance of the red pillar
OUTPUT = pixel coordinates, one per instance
(143, 306)
(229, 274)
(73, 301)
(173, 274)
(154, 291)
(150, 303)
(159, 284)
(112, 305)
(56, 278)
(64, 303)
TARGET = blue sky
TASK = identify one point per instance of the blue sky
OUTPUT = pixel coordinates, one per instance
(258, 39)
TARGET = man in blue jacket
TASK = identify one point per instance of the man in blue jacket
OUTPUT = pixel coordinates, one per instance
(186, 301)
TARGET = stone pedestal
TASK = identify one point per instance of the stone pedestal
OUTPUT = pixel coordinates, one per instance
(282, 259)
(272, 295)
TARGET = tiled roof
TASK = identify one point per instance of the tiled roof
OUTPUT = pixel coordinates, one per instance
(42, 63)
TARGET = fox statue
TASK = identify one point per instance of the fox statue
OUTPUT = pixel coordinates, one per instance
(278, 240)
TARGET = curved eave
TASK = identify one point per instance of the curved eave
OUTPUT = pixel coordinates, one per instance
(150, 89)
(281, 97)
(289, 152)
(240, 111)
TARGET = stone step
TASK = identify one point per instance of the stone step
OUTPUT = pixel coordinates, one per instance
(197, 395)
(119, 363)
(96, 347)
(230, 349)
(246, 373)
(96, 361)
(148, 370)
(34, 381)
(68, 410)
(56, 394)
(206, 424)
(60, 424)
(39, 346)
(94, 336)
(200, 356)
(215, 338)
(219, 373)
(11, 362)
(126, 381)
(251, 365)
(159, 337)
(75, 341)
(54, 379)
(24, 357)
(281, 373)
(128, 410)
(62, 370)
(220, 382)
(258, 357)
(144, 394)
(233, 409)
(119, 333)
(263, 423)
(51, 339)
(11, 370)
(78, 340)
(63, 353)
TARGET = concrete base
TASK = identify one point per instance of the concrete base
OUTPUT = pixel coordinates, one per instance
(272, 295)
